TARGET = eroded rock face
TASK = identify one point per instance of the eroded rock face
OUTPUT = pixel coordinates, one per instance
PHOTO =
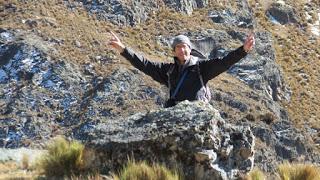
(186, 6)
(191, 134)
(134, 12)
(282, 13)
(41, 97)
(121, 12)
(35, 93)
(239, 16)
(282, 142)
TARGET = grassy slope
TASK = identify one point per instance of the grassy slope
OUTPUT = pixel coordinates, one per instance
(53, 20)
(298, 58)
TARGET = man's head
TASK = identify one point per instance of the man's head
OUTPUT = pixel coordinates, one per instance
(182, 46)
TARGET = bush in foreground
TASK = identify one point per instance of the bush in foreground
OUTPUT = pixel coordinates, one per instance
(288, 171)
(62, 159)
(255, 174)
(143, 171)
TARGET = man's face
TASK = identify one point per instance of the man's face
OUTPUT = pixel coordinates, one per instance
(182, 52)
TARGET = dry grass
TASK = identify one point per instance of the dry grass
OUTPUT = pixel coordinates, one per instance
(143, 171)
(11, 170)
(62, 159)
(256, 174)
(298, 172)
(25, 162)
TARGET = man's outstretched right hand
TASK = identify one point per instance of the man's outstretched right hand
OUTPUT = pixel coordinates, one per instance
(116, 43)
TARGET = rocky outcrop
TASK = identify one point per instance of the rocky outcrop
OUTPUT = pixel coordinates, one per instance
(40, 96)
(133, 12)
(282, 13)
(259, 69)
(281, 142)
(239, 16)
(194, 136)
(191, 134)
(186, 6)
(120, 12)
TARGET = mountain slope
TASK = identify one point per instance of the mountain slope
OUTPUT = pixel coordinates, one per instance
(60, 76)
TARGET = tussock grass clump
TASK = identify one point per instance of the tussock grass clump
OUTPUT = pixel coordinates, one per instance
(256, 174)
(62, 159)
(143, 171)
(268, 118)
(288, 171)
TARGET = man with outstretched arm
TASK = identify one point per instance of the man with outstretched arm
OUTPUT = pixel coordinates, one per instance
(187, 76)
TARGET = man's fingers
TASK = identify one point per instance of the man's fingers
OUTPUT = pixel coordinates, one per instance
(249, 43)
(251, 39)
(115, 38)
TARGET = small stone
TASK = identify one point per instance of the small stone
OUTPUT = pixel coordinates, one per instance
(78, 44)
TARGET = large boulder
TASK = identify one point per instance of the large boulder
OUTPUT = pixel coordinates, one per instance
(190, 134)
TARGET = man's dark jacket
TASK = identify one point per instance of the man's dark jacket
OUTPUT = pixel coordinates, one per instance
(191, 88)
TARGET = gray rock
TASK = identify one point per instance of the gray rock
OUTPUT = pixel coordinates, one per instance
(192, 134)
(282, 13)
(284, 152)
(241, 16)
(186, 6)
(230, 101)
(133, 12)
(283, 142)
(264, 134)
(119, 12)
(42, 95)
(260, 71)
(18, 155)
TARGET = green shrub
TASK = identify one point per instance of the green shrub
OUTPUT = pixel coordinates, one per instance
(62, 159)
(288, 171)
(143, 171)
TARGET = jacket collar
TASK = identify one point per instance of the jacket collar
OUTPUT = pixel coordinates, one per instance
(190, 62)
(195, 56)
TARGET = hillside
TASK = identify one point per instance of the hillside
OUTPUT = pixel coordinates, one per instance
(58, 76)
(297, 49)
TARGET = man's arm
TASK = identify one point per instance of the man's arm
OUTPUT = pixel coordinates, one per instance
(156, 70)
(214, 67)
